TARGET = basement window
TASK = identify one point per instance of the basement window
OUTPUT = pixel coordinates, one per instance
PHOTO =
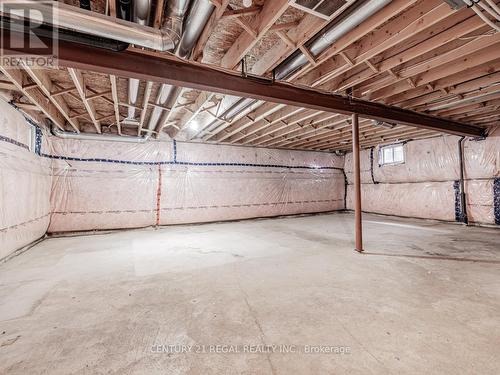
(392, 154)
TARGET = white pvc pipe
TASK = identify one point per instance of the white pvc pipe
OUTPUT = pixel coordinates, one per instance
(97, 137)
(486, 20)
(489, 10)
(493, 6)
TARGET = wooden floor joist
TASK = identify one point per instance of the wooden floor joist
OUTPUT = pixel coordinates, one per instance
(187, 74)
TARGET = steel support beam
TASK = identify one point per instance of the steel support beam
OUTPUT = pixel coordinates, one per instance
(358, 225)
(165, 69)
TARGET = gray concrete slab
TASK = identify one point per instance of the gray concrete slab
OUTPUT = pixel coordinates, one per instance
(424, 299)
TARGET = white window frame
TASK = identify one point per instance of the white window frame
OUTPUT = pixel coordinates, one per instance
(381, 159)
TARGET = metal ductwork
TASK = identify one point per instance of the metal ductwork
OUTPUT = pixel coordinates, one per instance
(174, 19)
(142, 12)
(239, 106)
(167, 95)
(189, 19)
(141, 16)
(96, 137)
(124, 9)
(67, 17)
(198, 16)
(47, 31)
(328, 36)
(316, 45)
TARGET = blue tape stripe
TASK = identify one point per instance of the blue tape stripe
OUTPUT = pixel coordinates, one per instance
(458, 205)
(496, 199)
(102, 160)
(174, 162)
(38, 140)
(371, 165)
(38, 146)
(14, 142)
(175, 150)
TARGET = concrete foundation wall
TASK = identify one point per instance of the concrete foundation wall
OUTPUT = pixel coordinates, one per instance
(104, 185)
(25, 184)
(426, 184)
(75, 185)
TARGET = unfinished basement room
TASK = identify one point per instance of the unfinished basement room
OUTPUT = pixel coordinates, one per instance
(250, 187)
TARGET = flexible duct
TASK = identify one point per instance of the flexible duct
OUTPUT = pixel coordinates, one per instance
(327, 37)
(174, 18)
(239, 106)
(199, 13)
(190, 27)
(71, 18)
(167, 95)
(142, 11)
(316, 45)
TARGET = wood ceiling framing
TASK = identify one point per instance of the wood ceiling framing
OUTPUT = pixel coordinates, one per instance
(415, 54)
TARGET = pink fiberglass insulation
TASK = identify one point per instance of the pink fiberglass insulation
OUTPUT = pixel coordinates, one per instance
(25, 184)
(108, 185)
(76, 185)
(426, 184)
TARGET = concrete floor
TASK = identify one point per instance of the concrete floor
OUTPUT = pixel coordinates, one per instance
(424, 299)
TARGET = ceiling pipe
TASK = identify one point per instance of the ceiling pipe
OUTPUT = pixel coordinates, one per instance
(489, 10)
(96, 137)
(478, 11)
(47, 31)
(142, 12)
(190, 24)
(241, 104)
(316, 45)
(141, 16)
(174, 18)
(167, 94)
(493, 6)
(328, 36)
(198, 16)
(72, 18)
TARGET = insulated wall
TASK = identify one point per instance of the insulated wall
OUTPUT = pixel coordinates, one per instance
(107, 185)
(25, 183)
(427, 184)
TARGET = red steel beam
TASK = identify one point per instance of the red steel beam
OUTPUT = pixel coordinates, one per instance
(358, 225)
(173, 71)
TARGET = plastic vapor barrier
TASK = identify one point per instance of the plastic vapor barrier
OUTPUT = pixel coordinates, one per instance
(427, 184)
(57, 185)
(213, 182)
(25, 183)
(107, 185)
(424, 200)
